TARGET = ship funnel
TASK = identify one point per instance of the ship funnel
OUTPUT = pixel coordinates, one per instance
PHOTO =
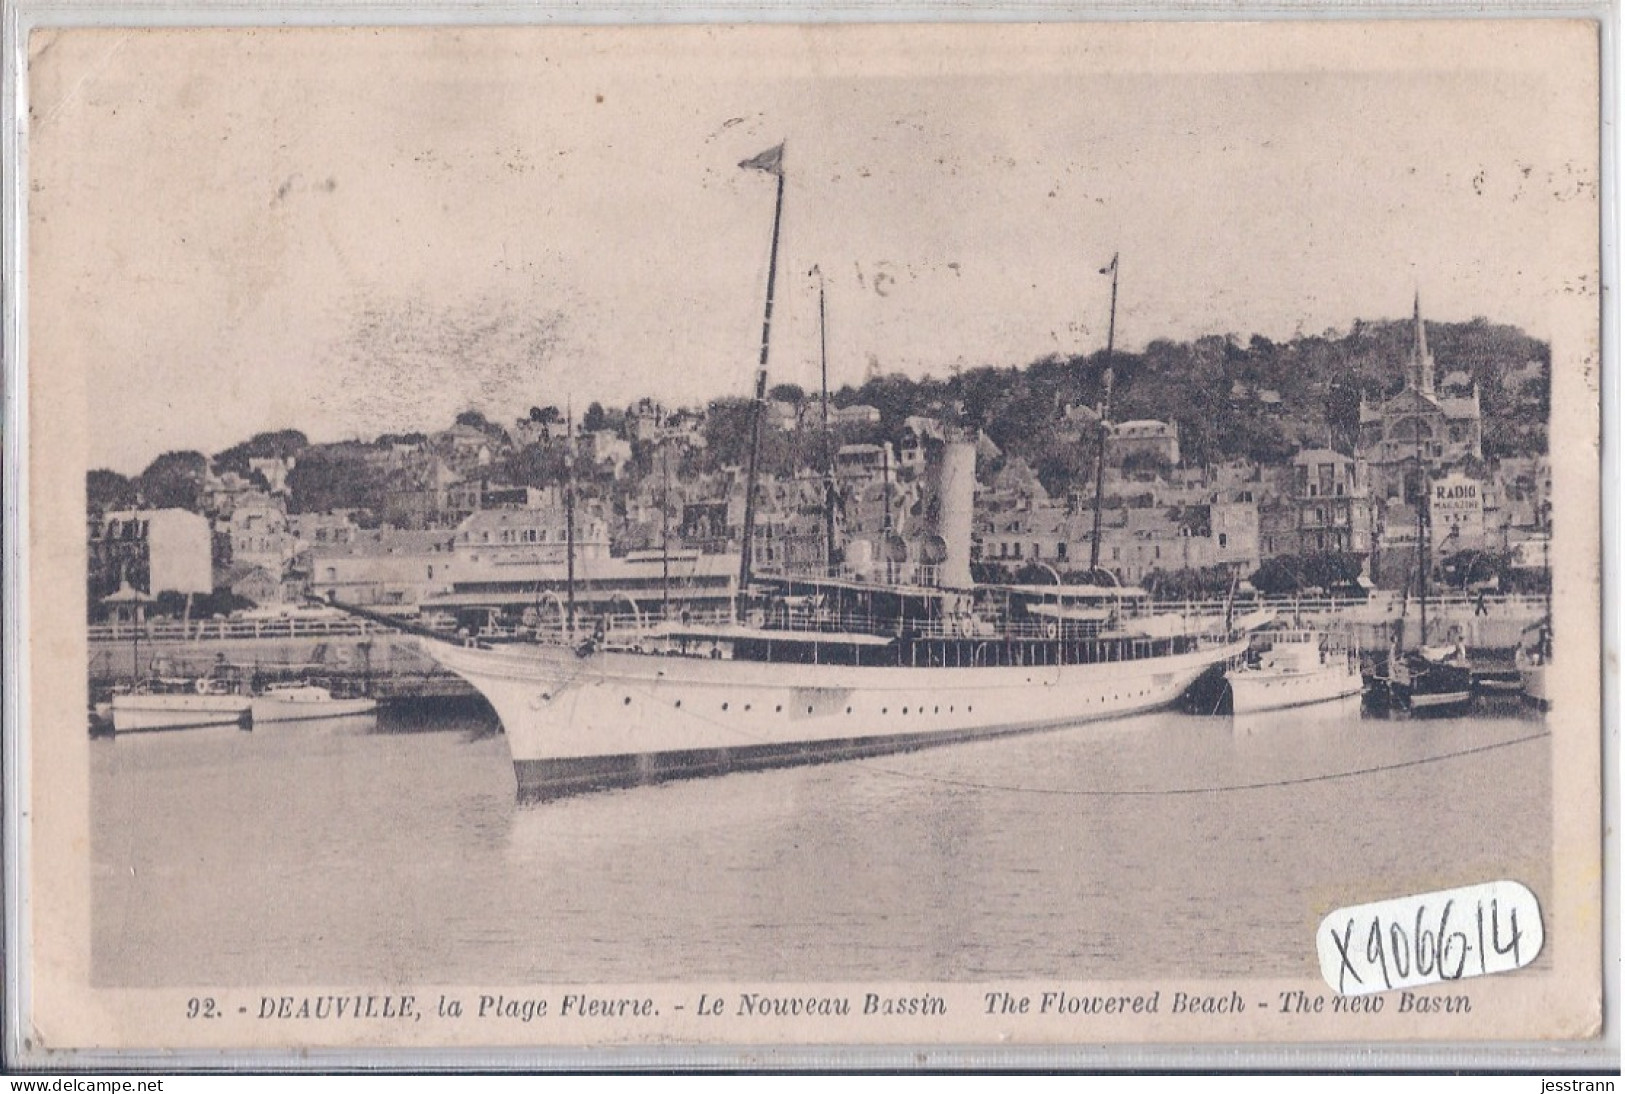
(956, 494)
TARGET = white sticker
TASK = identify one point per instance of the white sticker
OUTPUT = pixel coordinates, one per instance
(1434, 938)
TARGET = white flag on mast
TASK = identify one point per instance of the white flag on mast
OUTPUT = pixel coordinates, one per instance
(771, 161)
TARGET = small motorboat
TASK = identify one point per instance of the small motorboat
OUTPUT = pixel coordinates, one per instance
(1294, 669)
(169, 702)
(304, 700)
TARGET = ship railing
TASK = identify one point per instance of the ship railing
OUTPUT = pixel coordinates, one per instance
(211, 629)
(1378, 604)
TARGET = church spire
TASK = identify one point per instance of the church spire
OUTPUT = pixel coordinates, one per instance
(1421, 359)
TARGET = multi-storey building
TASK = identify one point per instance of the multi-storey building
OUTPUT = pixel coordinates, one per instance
(1420, 432)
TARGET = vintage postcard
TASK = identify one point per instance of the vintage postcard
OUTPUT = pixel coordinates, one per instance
(848, 535)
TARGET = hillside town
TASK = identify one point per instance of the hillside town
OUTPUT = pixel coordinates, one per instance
(1292, 480)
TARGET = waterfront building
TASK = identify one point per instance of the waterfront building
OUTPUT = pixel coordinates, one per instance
(1234, 530)
(640, 584)
(858, 414)
(866, 463)
(523, 536)
(1421, 431)
(320, 529)
(258, 533)
(222, 492)
(464, 447)
(253, 582)
(384, 567)
(154, 550)
(1143, 441)
(1320, 502)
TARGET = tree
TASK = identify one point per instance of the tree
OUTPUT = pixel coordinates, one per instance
(278, 444)
(1472, 567)
(788, 393)
(534, 465)
(1142, 461)
(106, 491)
(546, 415)
(595, 419)
(328, 479)
(174, 481)
(1278, 577)
(1330, 570)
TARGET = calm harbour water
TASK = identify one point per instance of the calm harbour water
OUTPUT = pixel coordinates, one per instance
(361, 852)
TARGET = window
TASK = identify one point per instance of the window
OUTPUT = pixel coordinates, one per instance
(1060, 550)
(1224, 540)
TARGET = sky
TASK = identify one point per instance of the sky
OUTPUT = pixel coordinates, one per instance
(357, 232)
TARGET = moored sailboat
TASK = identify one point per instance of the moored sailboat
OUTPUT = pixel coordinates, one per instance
(1435, 680)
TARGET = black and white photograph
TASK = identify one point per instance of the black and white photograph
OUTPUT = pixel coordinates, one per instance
(722, 535)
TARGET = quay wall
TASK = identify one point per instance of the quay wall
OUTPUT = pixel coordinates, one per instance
(391, 665)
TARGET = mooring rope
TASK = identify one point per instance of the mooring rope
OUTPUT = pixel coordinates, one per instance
(1273, 784)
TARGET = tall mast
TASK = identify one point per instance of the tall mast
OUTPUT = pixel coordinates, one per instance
(1544, 515)
(1422, 534)
(885, 481)
(829, 459)
(569, 518)
(1105, 409)
(665, 530)
(771, 161)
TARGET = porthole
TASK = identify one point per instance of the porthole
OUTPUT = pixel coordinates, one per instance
(678, 703)
(747, 706)
(882, 710)
(724, 706)
(778, 708)
(849, 710)
(809, 710)
(627, 701)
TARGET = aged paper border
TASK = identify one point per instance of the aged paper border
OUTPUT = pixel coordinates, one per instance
(66, 1014)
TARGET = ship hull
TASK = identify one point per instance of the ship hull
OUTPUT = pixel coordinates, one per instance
(1254, 691)
(577, 723)
(271, 709)
(1532, 680)
(1433, 689)
(155, 713)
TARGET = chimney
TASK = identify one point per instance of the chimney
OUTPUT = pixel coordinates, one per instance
(956, 494)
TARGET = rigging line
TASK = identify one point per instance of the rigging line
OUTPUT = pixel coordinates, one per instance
(1064, 791)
